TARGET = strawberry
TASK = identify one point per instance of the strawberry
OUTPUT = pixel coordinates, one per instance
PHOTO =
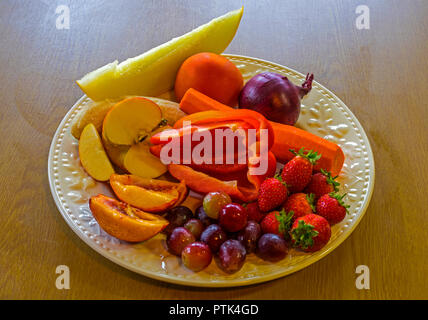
(272, 194)
(277, 222)
(301, 204)
(332, 207)
(310, 233)
(322, 183)
(253, 212)
(297, 173)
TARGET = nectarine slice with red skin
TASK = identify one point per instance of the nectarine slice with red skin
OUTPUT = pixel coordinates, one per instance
(148, 194)
(183, 191)
(123, 221)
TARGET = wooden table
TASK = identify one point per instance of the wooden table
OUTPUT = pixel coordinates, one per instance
(380, 73)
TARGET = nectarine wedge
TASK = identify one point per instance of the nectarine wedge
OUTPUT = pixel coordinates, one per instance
(123, 221)
(93, 156)
(148, 194)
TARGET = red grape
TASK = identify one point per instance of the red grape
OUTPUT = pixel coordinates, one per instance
(178, 239)
(249, 236)
(177, 217)
(272, 247)
(214, 201)
(202, 215)
(233, 217)
(213, 236)
(195, 226)
(196, 256)
(232, 256)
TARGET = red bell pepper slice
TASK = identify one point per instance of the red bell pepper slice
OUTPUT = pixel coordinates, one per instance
(235, 179)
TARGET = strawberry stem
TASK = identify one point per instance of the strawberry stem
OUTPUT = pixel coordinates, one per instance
(339, 199)
(330, 180)
(279, 178)
(311, 200)
(285, 221)
(303, 235)
(310, 155)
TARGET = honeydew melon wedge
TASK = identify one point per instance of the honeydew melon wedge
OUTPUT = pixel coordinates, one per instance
(153, 72)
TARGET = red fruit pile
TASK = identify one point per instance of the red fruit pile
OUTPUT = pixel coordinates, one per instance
(311, 206)
(295, 208)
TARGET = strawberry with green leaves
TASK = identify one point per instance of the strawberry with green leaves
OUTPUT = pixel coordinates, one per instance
(322, 183)
(272, 193)
(310, 233)
(297, 173)
(332, 207)
(277, 222)
(301, 204)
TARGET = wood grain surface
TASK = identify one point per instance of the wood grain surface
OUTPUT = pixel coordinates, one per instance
(380, 73)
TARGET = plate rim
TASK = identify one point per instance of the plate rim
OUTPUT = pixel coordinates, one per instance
(230, 282)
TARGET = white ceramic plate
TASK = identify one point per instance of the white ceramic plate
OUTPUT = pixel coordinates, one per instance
(322, 113)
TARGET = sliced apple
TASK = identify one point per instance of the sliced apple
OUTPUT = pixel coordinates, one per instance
(138, 162)
(93, 113)
(131, 120)
(141, 162)
(123, 221)
(171, 111)
(154, 71)
(93, 156)
(116, 153)
(126, 132)
(148, 194)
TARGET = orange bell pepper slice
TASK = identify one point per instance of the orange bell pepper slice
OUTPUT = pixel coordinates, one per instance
(242, 187)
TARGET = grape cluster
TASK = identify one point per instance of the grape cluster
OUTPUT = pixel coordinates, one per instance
(223, 229)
